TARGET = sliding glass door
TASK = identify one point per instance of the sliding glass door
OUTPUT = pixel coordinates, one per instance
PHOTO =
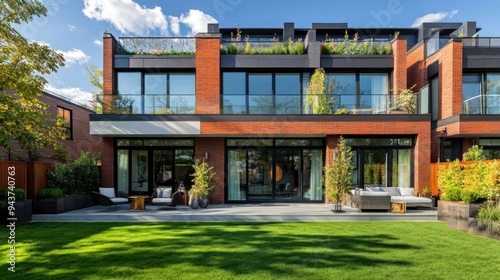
(274, 170)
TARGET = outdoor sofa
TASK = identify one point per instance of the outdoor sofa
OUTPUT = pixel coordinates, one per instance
(108, 197)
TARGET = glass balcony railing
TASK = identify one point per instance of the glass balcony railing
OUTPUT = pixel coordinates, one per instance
(157, 45)
(480, 42)
(482, 104)
(149, 104)
(297, 104)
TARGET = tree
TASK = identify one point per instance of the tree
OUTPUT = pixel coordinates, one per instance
(338, 176)
(95, 79)
(23, 64)
(318, 100)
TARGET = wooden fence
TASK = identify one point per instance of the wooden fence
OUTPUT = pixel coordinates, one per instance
(435, 170)
(29, 176)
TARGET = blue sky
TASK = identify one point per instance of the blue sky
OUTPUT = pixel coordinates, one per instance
(75, 27)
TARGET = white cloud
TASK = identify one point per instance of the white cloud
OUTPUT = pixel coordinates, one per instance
(74, 56)
(126, 15)
(98, 43)
(197, 21)
(454, 12)
(174, 25)
(74, 93)
(433, 17)
(71, 27)
(43, 43)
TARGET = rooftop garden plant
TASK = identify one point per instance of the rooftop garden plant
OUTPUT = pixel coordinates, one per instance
(406, 100)
(246, 46)
(355, 47)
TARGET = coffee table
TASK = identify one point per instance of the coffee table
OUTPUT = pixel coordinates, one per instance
(137, 202)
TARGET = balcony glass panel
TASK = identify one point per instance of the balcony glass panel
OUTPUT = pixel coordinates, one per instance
(263, 104)
(287, 104)
(149, 104)
(234, 104)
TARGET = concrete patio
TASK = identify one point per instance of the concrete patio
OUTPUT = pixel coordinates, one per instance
(263, 212)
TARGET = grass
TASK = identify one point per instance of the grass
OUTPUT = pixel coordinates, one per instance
(367, 250)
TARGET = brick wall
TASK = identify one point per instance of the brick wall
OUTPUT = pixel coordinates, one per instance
(215, 149)
(109, 51)
(208, 75)
(400, 69)
(417, 71)
(450, 76)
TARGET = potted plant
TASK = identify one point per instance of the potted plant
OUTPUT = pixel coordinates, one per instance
(202, 184)
(406, 100)
(338, 176)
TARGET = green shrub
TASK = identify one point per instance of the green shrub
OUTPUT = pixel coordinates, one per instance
(79, 177)
(471, 196)
(452, 194)
(489, 217)
(232, 49)
(19, 194)
(474, 153)
(342, 111)
(62, 177)
(50, 193)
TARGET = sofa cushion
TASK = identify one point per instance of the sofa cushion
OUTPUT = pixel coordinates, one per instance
(119, 199)
(375, 189)
(406, 191)
(161, 200)
(109, 192)
(411, 199)
(393, 191)
(372, 193)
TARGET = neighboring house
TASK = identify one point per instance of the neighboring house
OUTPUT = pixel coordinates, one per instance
(169, 100)
(76, 126)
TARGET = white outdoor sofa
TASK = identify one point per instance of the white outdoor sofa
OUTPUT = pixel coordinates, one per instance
(399, 194)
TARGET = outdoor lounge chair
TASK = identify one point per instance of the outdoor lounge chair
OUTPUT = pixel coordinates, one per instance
(108, 197)
(163, 197)
(365, 200)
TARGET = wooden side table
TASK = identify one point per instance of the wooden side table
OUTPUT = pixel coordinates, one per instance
(398, 207)
(137, 202)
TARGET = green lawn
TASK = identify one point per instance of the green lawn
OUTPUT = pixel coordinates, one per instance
(364, 250)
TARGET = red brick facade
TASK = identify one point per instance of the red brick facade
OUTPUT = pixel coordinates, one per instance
(411, 68)
(208, 75)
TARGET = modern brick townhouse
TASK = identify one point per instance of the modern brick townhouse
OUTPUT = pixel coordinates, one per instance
(238, 98)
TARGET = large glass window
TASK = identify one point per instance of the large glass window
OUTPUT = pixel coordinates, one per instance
(343, 88)
(261, 93)
(66, 116)
(274, 170)
(144, 164)
(287, 93)
(373, 89)
(383, 162)
(481, 93)
(155, 93)
(491, 148)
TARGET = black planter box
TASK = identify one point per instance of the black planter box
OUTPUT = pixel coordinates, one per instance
(62, 204)
(23, 212)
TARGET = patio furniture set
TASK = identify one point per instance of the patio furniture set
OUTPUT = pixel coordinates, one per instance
(394, 199)
(161, 196)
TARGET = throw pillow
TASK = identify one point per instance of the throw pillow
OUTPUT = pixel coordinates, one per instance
(159, 192)
(406, 191)
(167, 193)
(393, 191)
(109, 192)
